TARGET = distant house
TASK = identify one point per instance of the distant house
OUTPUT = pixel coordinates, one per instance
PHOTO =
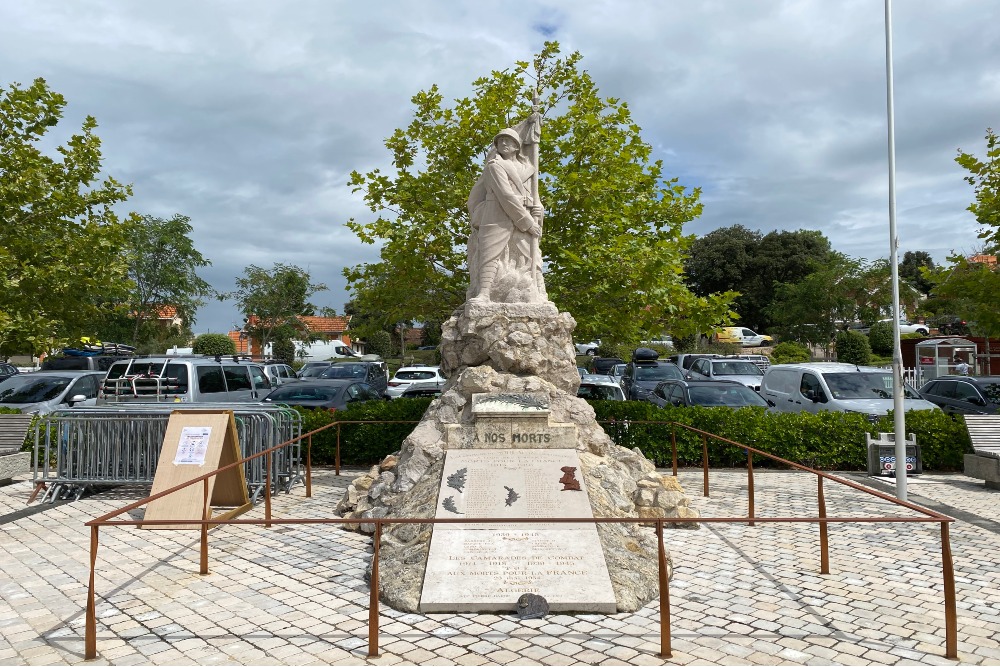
(167, 316)
(327, 329)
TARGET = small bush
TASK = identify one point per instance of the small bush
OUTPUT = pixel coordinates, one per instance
(380, 343)
(790, 353)
(880, 338)
(853, 348)
(213, 344)
(284, 349)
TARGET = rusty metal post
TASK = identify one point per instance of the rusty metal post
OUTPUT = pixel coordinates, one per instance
(950, 615)
(205, 509)
(336, 455)
(309, 468)
(373, 601)
(704, 461)
(673, 446)
(267, 492)
(824, 542)
(750, 494)
(90, 636)
(661, 556)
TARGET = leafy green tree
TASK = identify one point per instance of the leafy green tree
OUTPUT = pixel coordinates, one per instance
(380, 343)
(163, 263)
(272, 301)
(809, 309)
(742, 260)
(284, 349)
(880, 338)
(853, 348)
(60, 241)
(910, 270)
(212, 343)
(984, 177)
(973, 291)
(612, 245)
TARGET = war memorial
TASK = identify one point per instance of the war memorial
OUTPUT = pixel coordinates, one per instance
(509, 439)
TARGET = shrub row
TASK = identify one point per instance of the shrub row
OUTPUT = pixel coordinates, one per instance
(828, 441)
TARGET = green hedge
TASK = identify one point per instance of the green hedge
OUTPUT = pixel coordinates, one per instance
(827, 441)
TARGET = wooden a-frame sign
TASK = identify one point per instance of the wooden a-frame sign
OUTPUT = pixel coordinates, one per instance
(198, 442)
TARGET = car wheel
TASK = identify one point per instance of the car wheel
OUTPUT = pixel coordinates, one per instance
(591, 352)
(922, 332)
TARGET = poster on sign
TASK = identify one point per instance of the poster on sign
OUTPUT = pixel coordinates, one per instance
(193, 445)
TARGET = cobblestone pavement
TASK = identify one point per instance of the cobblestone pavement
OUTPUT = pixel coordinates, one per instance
(297, 594)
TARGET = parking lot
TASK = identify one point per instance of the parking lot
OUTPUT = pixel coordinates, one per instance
(297, 595)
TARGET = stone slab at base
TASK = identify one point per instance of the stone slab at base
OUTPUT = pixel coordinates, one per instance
(13, 465)
(986, 468)
(487, 567)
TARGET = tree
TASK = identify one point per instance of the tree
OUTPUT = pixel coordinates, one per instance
(984, 177)
(742, 260)
(809, 309)
(214, 344)
(973, 290)
(60, 241)
(612, 243)
(162, 263)
(272, 301)
(853, 348)
(910, 270)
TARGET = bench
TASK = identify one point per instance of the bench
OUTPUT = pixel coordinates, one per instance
(984, 464)
(13, 429)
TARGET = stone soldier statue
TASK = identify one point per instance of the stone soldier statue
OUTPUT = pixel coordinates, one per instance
(506, 214)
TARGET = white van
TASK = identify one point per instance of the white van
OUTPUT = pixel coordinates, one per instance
(835, 387)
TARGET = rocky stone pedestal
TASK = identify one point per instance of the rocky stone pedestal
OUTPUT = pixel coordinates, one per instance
(507, 364)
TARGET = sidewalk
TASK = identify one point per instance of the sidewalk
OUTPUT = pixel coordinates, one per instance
(296, 595)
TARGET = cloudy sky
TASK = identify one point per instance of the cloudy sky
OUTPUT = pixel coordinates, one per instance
(249, 116)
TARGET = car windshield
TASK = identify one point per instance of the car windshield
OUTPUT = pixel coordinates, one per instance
(344, 371)
(305, 393)
(414, 375)
(735, 368)
(656, 373)
(596, 392)
(726, 395)
(27, 389)
(863, 385)
(313, 371)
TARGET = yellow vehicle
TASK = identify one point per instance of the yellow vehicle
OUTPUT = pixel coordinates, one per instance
(742, 336)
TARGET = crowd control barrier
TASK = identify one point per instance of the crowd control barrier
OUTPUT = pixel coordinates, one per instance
(114, 445)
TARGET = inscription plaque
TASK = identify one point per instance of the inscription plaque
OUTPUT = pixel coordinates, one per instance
(488, 567)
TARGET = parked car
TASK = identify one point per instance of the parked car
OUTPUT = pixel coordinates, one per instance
(906, 327)
(616, 372)
(373, 373)
(600, 388)
(41, 392)
(813, 387)
(6, 370)
(278, 372)
(69, 362)
(407, 375)
(195, 379)
(603, 365)
(965, 395)
(589, 349)
(724, 368)
(950, 325)
(684, 361)
(418, 390)
(742, 336)
(644, 372)
(323, 394)
(706, 393)
(313, 368)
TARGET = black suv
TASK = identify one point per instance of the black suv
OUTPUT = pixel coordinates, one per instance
(644, 372)
(603, 365)
(964, 395)
(373, 373)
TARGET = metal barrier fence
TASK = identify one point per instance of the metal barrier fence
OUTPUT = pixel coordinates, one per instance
(113, 445)
(751, 518)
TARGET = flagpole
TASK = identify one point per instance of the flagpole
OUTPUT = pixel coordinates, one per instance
(899, 417)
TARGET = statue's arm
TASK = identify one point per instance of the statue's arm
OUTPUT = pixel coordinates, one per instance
(510, 199)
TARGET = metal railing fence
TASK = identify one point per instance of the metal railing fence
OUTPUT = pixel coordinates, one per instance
(821, 520)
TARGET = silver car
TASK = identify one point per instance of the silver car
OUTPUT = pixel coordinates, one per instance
(42, 392)
(721, 368)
